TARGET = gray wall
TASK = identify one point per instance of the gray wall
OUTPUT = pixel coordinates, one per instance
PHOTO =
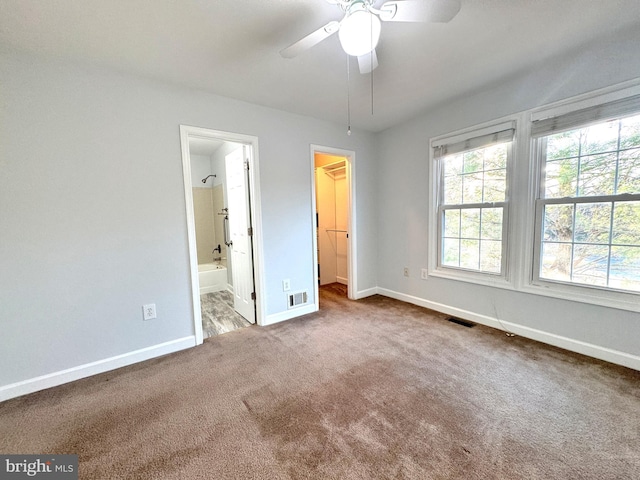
(92, 210)
(403, 180)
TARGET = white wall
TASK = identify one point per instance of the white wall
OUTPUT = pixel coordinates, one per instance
(92, 213)
(403, 181)
(342, 223)
(201, 168)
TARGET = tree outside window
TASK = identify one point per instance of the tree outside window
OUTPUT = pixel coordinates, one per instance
(590, 205)
(472, 206)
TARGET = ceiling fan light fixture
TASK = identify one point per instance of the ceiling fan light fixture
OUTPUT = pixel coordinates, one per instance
(359, 33)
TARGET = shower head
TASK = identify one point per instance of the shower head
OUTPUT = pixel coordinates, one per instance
(204, 180)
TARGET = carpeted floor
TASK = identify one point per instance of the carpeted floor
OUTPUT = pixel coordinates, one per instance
(360, 390)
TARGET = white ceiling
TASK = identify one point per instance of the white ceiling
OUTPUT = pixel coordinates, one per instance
(230, 47)
(204, 146)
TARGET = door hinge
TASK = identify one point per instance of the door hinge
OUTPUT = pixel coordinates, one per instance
(253, 295)
(246, 164)
(250, 231)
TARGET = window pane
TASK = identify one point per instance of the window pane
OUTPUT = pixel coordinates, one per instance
(630, 132)
(451, 252)
(470, 254)
(470, 223)
(593, 222)
(453, 190)
(597, 175)
(452, 165)
(491, 224)
(495, 184)
(495, 157)
(629, 171)
(472, 161)
(563, 145)
(590, 264)
(600, 138)
(490, 256)
(452, 223)
(472, 188)
(558, 223)
(474, 177)
(625, 268)
(595, 243)
(555, 261)
(561, 178)
(626, 223)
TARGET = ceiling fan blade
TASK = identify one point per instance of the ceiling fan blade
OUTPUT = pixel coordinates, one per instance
(310, 40)
(437, 11)
(368, 62)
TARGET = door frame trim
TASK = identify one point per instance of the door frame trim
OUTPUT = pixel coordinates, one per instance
(187, 132)
(352, 255)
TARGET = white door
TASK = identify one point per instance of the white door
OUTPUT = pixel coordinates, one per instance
(236, 164)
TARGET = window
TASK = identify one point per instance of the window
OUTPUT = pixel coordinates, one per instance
(472, 200)
(588, 200)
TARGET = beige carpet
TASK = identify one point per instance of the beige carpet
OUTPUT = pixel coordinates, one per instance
(361, 390)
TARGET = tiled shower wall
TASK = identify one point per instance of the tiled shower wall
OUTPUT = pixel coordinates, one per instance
(207, 202)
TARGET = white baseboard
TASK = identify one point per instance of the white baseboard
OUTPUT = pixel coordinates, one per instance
(76, 373)
(289, 314)
(595, 351)
(342, 280)
(365, 293)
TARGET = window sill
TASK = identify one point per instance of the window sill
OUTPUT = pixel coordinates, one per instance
(591, 296)
(470, 276)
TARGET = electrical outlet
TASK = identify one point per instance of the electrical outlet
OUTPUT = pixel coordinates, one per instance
(424, 273)
(286, 285)
(149, 311)
(406, 271)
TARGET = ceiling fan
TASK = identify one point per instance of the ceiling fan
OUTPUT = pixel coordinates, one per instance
(359, 29)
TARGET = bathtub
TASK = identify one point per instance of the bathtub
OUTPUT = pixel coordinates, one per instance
(212, 277)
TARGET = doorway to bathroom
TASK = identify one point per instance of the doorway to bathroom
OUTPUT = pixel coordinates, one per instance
(334, 226)
(220, 171)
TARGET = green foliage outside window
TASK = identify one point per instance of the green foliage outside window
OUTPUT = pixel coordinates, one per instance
(593, 242)
(472, 225)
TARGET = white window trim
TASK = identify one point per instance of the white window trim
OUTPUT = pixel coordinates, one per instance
(531, 283)
(522, 194)
(503, 280)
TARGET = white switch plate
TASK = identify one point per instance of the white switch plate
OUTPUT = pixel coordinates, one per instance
(406, 271)
(424, 273)
(286, 285)
(149, 311)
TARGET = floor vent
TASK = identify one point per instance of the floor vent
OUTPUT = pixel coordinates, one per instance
(464, 323)
(297, 299)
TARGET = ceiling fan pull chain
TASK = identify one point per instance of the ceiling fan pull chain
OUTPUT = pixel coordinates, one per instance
(371, 59)
(372, 88)
(348, 99)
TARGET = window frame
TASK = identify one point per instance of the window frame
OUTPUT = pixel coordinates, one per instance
(529, 281)
(522, 191)
(534, 283)
(437, 208)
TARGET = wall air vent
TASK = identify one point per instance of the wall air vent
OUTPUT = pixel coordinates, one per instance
(297, 299)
